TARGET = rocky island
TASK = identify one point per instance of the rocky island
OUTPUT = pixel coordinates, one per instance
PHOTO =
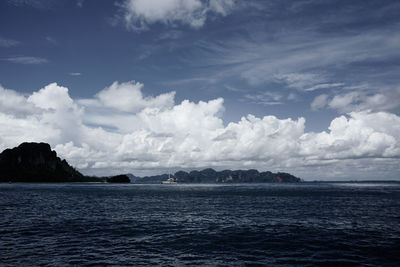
(36, 162)
(227, 176)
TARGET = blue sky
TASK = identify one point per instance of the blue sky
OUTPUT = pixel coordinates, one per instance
(326, 68)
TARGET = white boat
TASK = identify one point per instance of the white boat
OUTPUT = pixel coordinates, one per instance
(170, 180)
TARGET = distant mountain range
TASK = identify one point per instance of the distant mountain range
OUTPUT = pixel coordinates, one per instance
(36, 162)
(226, 176)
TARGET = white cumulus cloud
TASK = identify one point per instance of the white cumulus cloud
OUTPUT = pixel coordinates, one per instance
(100, 136)
(362, 135)
(14, 103)
(52, 96)
(128, 97)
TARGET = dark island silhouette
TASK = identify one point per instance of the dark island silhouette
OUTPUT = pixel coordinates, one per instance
(36, 162)
(227, 176)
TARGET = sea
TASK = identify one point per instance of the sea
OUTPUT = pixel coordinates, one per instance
(302, 224)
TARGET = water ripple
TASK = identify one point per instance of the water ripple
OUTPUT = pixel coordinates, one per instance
(258, 225)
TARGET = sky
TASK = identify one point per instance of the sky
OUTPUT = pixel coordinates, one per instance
(310, 87)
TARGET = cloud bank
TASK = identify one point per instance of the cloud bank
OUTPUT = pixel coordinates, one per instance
(121, 130)
(140, 14)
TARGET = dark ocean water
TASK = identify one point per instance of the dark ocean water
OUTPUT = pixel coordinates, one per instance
(329, 224)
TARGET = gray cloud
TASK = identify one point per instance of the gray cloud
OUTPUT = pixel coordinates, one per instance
(79, 3)
(140, 14)
(380, 100)
(39, 4)
(294, 59)
(319, 102)
(75, 73)
(26, 60)
(51, 40)
(8, 42)
(265, 98)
